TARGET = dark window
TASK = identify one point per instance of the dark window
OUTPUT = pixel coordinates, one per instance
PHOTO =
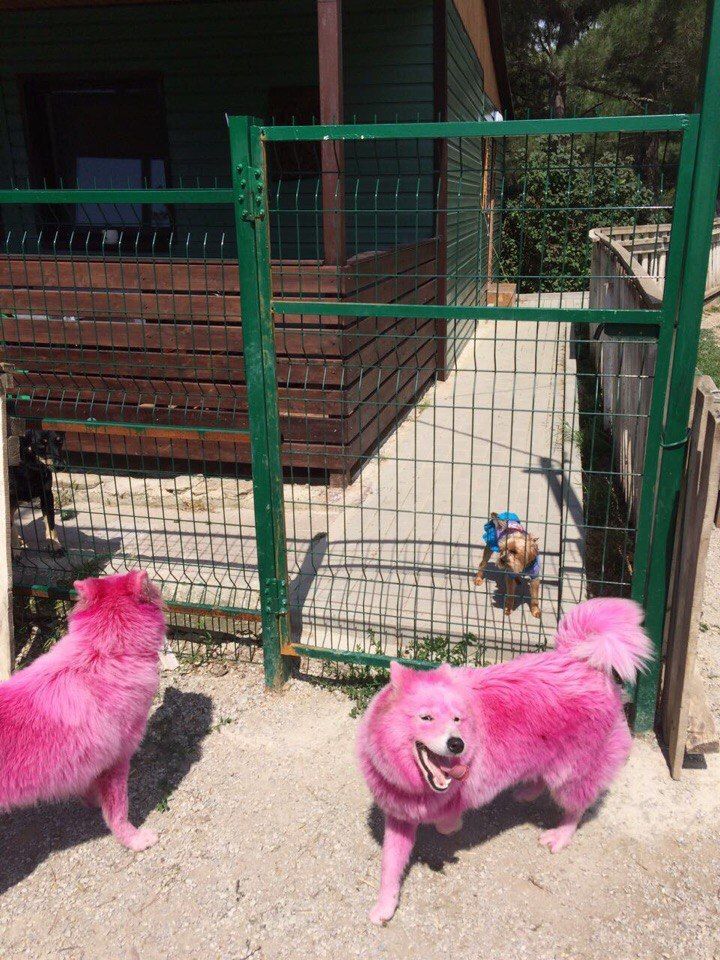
(100, 132)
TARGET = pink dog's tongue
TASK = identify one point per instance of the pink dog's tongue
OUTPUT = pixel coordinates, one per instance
(458, 772)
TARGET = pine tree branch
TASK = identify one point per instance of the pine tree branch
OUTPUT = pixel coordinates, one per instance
(635, 99)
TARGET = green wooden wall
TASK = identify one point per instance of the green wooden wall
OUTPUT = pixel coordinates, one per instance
(223, 57)
(213, 57)
(217, 57)
(388, 77)
(467, 253)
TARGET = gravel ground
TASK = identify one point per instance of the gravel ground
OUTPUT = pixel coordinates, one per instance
(269, 849)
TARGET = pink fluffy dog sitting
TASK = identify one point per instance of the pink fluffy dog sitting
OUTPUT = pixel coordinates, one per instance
(435, 743)
(71, 721)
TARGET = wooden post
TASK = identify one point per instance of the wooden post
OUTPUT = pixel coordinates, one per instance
(7, 639)
(681, 701)
(332, 154)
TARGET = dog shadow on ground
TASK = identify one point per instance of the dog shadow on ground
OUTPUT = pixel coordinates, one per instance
(479, 826)
(172, 745)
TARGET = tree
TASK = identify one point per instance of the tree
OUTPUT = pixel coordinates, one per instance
(606, 56)
(645, 53)
(538, 37)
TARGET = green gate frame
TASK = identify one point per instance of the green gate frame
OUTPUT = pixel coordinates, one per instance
(675, 327)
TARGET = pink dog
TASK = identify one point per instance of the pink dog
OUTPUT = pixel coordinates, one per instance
(71, 721)
(434, 744)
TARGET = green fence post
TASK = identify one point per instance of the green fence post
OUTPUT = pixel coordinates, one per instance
(654, 444)
(253, 247)
(691, 295)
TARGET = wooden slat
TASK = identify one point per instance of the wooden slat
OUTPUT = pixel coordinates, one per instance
(143, 275)
(119, 304)
(702, 735)
(189, 340)
(317, 428)
(122, 335)
(136, 274)
(695, 522)
(382, 263)
(173, 453)
(326, 372)
(130, 390)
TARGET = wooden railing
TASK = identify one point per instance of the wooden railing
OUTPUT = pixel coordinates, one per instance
(642, 252)
(628, 271)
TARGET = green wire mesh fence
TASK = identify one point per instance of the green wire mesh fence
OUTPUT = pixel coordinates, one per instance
(122, 322)
(429, 422)
(406, 418)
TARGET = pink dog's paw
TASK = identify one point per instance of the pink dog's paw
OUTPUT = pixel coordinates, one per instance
(141, 840)
(559, 837)
(382, 911)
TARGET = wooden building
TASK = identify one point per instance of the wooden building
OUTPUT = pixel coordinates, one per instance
(132, 313)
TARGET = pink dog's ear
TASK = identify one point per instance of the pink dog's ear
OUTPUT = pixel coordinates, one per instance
(444, 672)
(400, 676)
(86, 589)
(139, 583)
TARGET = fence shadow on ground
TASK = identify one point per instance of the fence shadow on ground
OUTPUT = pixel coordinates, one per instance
(171, 747)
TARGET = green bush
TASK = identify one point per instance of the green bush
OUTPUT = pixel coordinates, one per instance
(556, 192)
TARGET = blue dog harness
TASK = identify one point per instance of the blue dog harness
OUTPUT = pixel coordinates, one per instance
(493, 534)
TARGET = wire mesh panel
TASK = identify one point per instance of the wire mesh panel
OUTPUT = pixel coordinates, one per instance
(469, 322)
(122, 320)
(464, 360)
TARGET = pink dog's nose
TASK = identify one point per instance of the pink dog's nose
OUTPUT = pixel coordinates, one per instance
(455, 744)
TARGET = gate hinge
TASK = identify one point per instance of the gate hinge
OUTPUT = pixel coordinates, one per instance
(275, 596)
(251, 193)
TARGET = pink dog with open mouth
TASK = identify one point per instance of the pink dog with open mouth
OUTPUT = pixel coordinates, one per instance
(435, 743)
(71, 721)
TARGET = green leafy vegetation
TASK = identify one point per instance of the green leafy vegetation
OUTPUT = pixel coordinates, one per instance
(541, 244)
(360, 682)
(570, 57)
(708, 360)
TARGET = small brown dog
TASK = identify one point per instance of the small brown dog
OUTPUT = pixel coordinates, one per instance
(519, 558)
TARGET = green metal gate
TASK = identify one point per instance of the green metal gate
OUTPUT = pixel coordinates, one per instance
(396, 214)
(391, 398)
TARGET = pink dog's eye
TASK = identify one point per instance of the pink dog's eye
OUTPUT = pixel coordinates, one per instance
(456, 719)
(426, 716)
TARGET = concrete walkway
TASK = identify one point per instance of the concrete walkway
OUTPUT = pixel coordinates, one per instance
(392, 559)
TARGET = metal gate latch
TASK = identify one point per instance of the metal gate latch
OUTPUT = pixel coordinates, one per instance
(275, 596)
(251, 193)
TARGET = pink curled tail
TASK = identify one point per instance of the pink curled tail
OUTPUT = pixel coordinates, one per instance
(607, 632)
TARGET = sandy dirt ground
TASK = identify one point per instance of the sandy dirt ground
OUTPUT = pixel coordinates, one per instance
(270, 849)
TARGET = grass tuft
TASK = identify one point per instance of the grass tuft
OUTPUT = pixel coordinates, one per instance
(708, 359)
(361, 682)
